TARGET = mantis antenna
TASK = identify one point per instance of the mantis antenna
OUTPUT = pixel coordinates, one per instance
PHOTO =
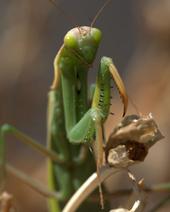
(66, 15)
(99, 13)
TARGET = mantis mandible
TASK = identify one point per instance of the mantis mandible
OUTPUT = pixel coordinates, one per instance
(75, 120)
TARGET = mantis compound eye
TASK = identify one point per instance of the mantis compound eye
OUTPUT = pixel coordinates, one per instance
(70, 40)
(96, 34)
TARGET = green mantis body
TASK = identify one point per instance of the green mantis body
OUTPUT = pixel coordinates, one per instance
(75, 120)
(72, 120)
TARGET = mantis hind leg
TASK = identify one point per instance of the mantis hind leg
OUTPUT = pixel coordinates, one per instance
(31, 182)
(7, 129)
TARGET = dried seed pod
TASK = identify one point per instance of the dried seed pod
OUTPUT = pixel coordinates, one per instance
(131, 139)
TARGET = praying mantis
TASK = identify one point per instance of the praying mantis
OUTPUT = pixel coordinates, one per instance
(75, 118)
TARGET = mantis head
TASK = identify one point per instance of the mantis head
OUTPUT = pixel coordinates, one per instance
(84, 41)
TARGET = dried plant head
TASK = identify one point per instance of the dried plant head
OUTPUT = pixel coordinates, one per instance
(131, 139)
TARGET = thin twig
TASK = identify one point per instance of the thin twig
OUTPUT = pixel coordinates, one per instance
(88, 187)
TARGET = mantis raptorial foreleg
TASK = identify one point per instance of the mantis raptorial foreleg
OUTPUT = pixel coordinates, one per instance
(91, 122)
(83, 131)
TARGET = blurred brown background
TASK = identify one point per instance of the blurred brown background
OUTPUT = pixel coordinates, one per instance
(136, 34)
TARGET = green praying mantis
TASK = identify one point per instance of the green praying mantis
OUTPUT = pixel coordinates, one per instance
(75, 118)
